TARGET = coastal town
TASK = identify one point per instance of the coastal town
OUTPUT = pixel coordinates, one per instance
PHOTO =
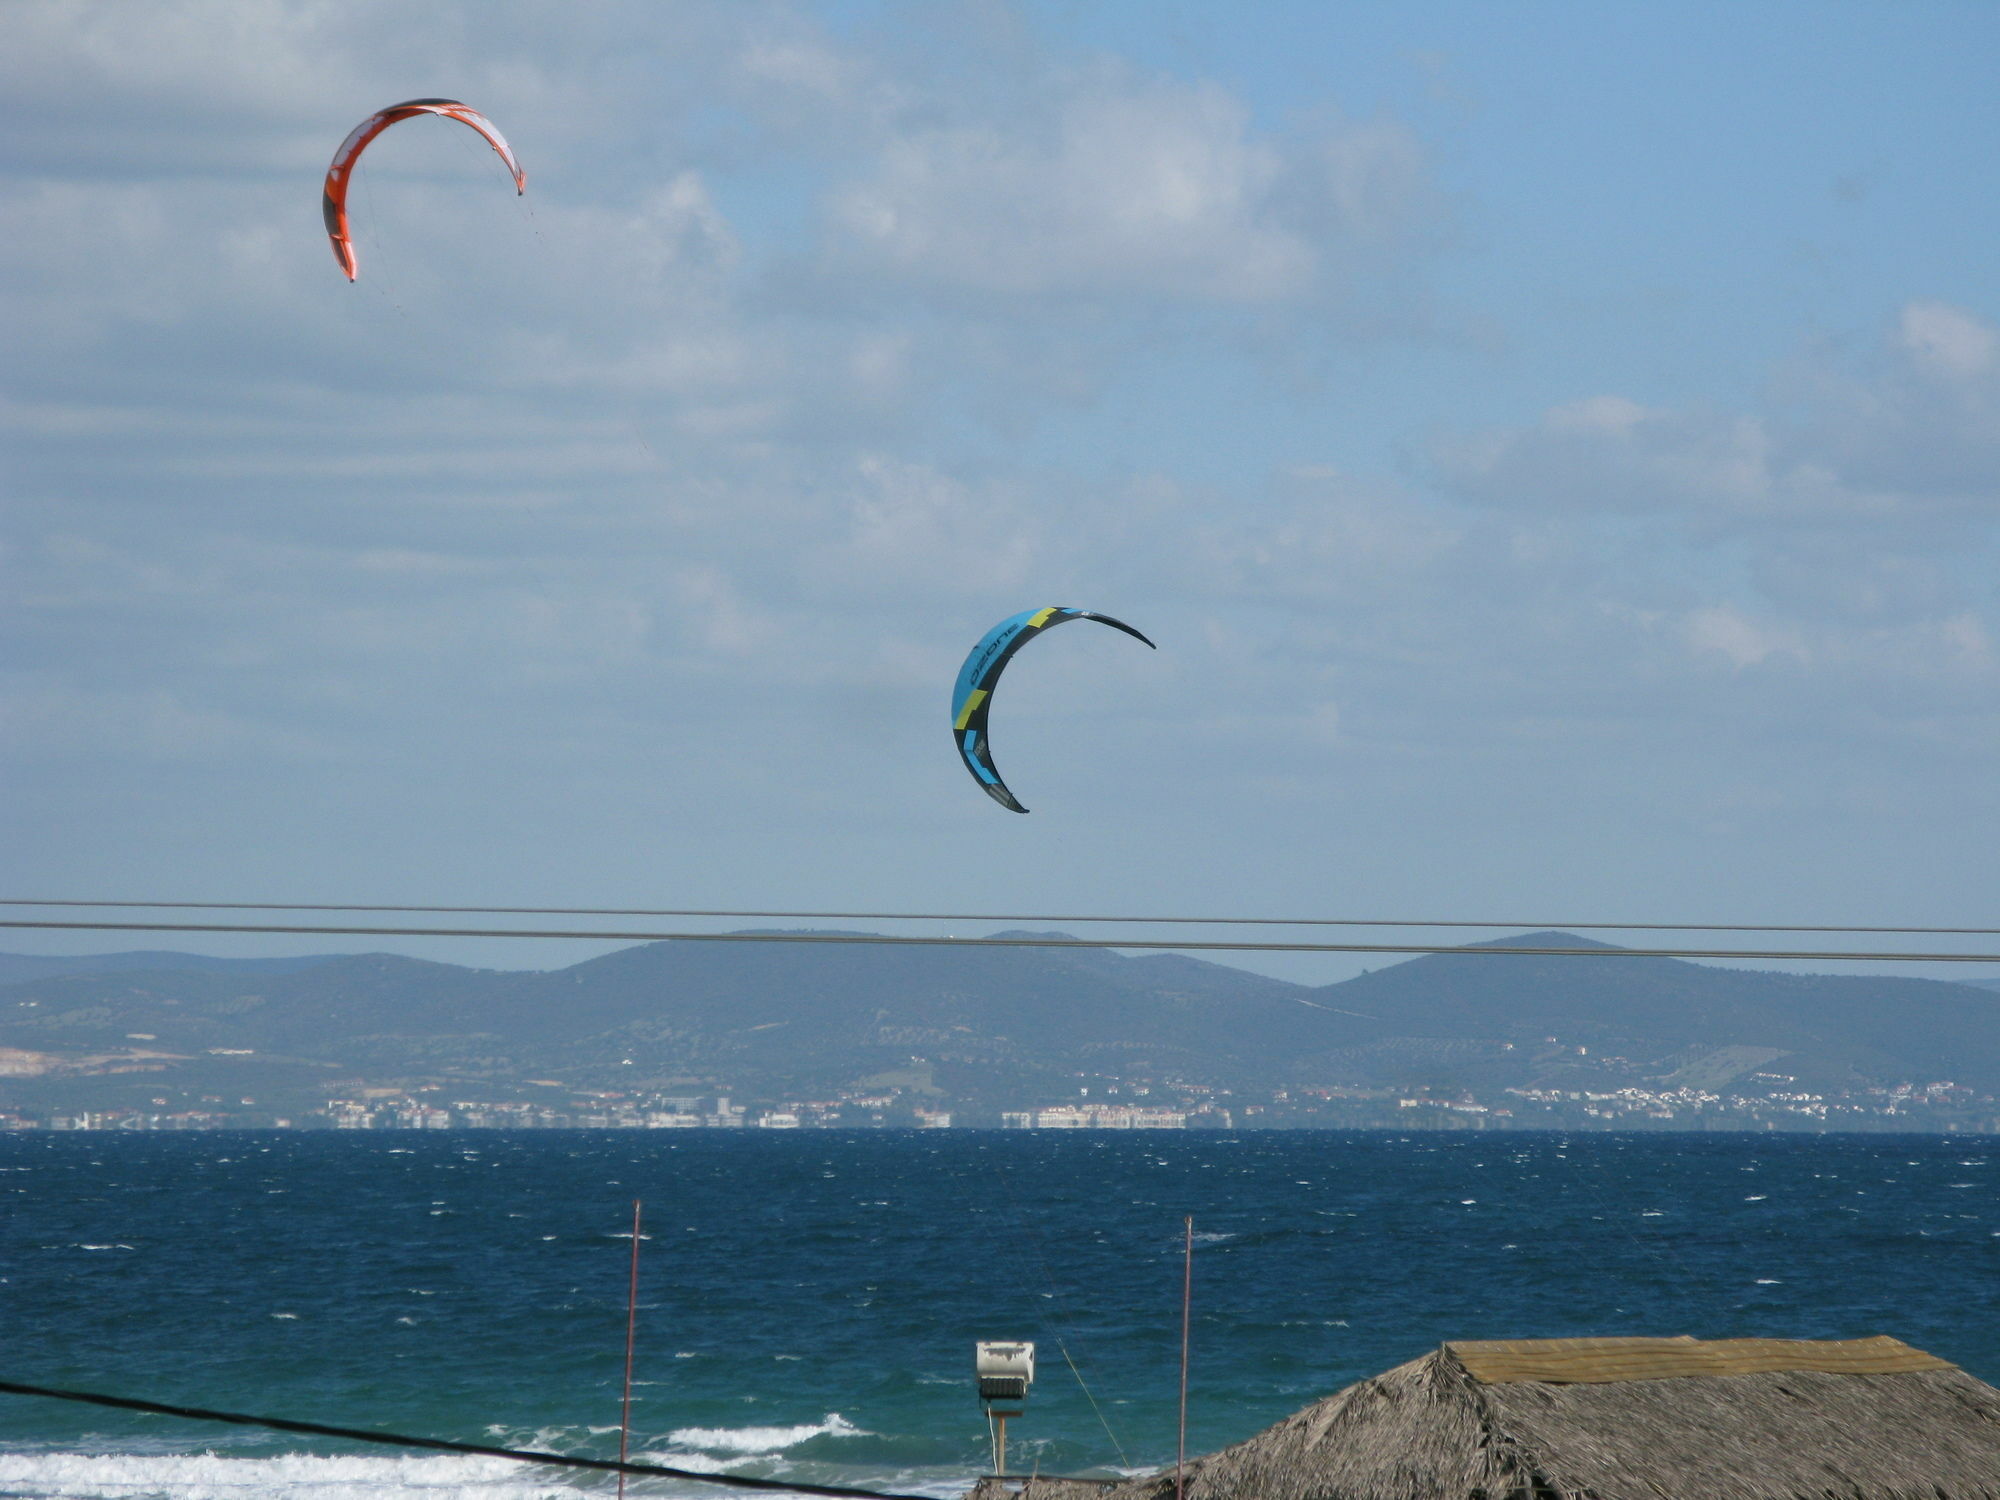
(1770, 1102)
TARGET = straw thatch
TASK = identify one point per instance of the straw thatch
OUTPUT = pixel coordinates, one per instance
(1615, 1419)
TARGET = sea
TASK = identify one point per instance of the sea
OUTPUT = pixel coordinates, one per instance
(809, 1300)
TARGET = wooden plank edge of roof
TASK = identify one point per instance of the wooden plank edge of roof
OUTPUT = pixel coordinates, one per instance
(1598, 1361)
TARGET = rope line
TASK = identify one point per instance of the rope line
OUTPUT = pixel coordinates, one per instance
(1027, 1230)
(940, 916)
(441, 1445)
(1189, 945)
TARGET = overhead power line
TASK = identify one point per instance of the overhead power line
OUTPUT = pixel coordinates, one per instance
(937, 916)
(1191, 945)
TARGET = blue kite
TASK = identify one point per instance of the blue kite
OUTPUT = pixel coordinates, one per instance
(972, 696)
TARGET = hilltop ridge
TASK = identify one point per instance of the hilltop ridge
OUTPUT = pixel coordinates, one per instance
(983, 1029)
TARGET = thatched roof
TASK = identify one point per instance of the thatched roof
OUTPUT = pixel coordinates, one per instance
(1616, 1419)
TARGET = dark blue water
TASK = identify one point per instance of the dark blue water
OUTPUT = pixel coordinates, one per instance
(809, 1300)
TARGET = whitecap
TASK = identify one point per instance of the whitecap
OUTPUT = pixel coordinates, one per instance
(749, 1440)
(291, 1476)
(700, 1463)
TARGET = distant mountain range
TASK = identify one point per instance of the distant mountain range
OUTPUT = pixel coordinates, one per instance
(19, 968)
(981, 1028)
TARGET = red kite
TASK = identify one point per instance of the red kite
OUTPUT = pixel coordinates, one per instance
(334, 204)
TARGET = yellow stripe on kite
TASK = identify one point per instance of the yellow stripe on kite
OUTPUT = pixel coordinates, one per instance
(965, 714)
(1039, 618)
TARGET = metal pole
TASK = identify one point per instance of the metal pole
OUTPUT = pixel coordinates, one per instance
(1187, 1303)
(631, 1328)
(1000, 1444)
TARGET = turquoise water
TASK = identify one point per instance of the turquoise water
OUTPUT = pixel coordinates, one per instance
(809, 1300)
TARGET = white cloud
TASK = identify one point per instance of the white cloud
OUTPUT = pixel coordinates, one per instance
(1612, 415)
(1831, 549)
(1914, 438)
(1745, 642)
(718, 616)
(1126, 187)
(909, 527)
(1329, 537)
(1609, 454)
(1948, 339)
(1835, 545)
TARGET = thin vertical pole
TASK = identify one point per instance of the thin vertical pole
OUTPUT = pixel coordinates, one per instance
(1000, 1445)
(631, 1329)
(1187, 1304)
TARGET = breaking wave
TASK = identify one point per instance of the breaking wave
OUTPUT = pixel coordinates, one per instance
(292, 1476)
(752, 1441)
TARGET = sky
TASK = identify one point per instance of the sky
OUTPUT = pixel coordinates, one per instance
(1555, 447)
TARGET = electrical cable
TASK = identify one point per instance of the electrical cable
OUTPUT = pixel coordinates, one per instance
(936, 916)
(441, 1445)
(1186, 945)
